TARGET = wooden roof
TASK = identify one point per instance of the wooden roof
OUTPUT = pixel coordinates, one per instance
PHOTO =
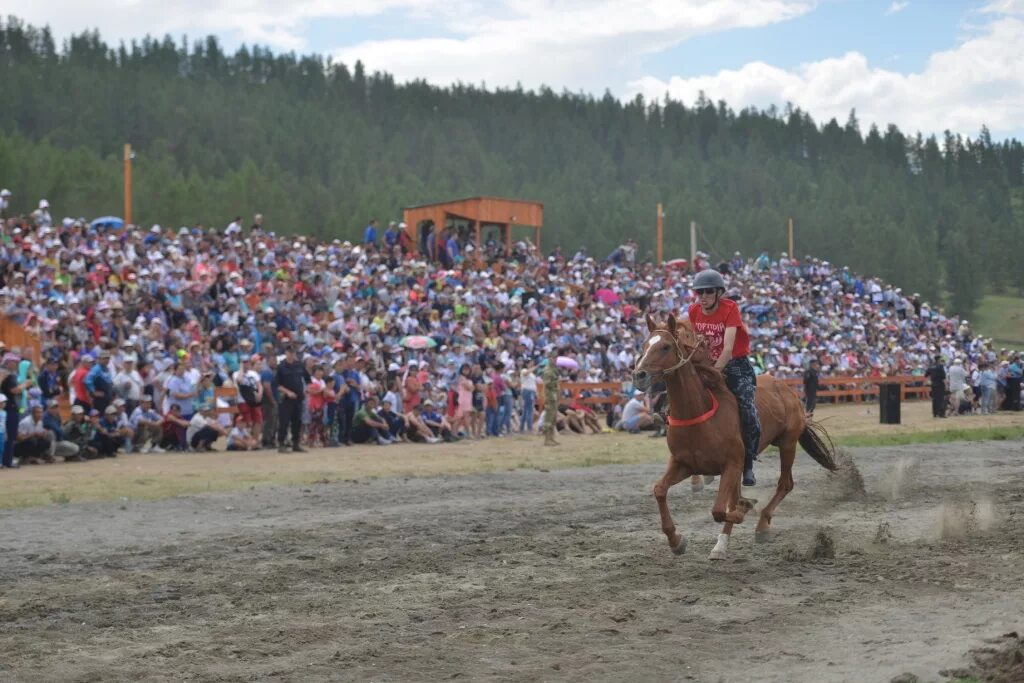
(479, 209)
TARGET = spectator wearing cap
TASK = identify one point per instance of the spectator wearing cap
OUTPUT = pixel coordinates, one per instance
(437, 422)
(636, 416)
(12, 390)
(60, 445)
(391, 235)
(249, 388)
(270, 409)
(396, 422)
(348, 390)
(80, 431)
(109, 437)
(33, 441)
(291, 383)
(100, 383)
(147, 425)
(49, 381)
(203, 429)
(128, 383)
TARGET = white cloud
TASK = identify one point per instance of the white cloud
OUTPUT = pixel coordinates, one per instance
(580, 44)
(897, 6)
(980, 81)
(266, 22)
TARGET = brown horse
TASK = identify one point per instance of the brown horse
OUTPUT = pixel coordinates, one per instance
(704, 429)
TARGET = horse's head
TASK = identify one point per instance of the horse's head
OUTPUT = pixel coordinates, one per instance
(666, 349)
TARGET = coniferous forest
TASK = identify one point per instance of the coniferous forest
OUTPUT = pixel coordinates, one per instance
(320, 147)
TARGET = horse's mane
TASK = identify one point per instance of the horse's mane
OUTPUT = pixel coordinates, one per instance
(709, 375)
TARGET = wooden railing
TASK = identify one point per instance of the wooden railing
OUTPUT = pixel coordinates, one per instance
(832, 389)
(16, 337)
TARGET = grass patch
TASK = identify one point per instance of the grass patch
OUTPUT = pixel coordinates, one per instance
(941, 436)
(1002, 319)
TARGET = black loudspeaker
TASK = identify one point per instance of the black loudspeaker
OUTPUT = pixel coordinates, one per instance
(889, 404)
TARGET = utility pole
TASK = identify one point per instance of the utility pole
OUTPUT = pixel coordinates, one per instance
(128, 155)
(693, 244)
(661, 228)
(792, 254)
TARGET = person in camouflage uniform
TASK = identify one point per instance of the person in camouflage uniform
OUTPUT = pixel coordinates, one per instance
(80, 431)
(550, 400)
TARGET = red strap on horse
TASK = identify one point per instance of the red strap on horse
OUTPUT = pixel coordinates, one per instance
(673, 422)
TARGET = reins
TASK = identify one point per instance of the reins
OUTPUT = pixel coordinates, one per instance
(683, 360)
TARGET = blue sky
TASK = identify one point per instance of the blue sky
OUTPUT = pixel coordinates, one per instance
(925, 65)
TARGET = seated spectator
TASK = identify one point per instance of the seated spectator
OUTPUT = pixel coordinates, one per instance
(240, 438)
(367, 427)
(204, 429)
(147, 424)
(124, 424)
(80, 431)
(173, 430)
(109, 436)
(417, 430)
(636, 416)
(33, 439)
(396, 423)
(60, 447)
(437, 422)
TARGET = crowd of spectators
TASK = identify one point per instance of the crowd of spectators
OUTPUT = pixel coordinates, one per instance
(329, 342)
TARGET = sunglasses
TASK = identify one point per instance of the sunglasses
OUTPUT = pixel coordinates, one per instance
(706, 290)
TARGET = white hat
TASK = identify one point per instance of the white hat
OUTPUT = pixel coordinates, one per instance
(43, 204)
(393, 367)
(638, 393)
(5, 193)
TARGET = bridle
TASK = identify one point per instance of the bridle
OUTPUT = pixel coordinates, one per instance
(683, 357)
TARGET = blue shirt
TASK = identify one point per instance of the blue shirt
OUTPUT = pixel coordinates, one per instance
(180, 385)
(99, 379)
(370, 236)
(391, 237)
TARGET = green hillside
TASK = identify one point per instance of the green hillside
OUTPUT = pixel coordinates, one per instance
(1002, 319)
(320, 147)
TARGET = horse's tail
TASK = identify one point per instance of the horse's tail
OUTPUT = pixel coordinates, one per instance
(816, 441)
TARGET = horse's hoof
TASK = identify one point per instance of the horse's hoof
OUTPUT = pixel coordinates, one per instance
(763, 536)
(696, 488)
(717, 554)
(680, 549)
(708, 478)
(746, 504)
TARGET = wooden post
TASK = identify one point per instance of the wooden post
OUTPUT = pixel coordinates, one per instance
(537, 243)
(508, 238)
(693, 244)
(658, 253)
(127, 184)
(792, 254)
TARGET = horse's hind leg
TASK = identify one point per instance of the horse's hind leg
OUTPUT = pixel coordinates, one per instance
(787, 454)
(674, 474)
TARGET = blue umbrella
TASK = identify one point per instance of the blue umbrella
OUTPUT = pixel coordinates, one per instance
(107, 222)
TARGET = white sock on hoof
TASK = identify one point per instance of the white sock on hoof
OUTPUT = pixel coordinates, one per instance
(722, 545)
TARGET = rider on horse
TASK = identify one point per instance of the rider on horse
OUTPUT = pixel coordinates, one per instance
(718, 320)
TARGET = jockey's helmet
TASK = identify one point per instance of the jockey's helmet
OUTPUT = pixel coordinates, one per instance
(708, 279)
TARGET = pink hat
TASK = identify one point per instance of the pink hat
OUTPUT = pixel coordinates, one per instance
(11, 356)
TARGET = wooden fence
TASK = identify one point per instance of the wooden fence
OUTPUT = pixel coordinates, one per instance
(832, 389)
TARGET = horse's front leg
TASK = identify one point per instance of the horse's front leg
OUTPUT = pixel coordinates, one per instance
(730, 508)
(674, 474)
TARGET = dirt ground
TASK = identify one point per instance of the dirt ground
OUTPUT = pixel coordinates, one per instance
(150, 477)
(527, 576)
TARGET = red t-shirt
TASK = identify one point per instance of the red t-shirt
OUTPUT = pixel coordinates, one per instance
(713, 328)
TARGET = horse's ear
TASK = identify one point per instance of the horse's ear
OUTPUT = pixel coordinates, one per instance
(672, 323)
(650, 323)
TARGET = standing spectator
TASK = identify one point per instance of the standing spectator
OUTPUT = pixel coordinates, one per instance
(811, 387)
(249, 386)
(987, 384)
(49, 382)
(528, 395)
(957, 381)
(5, 202)
(13, 391)
(182, 393)
(80, 393)
(370, 234)
(3, 423)
(317, 403)
(100, 383)
(937, 374)
(550, 400)
(268, 378)
(291, 383)
(128, 384)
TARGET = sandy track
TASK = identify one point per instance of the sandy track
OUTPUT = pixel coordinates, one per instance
(525, 575)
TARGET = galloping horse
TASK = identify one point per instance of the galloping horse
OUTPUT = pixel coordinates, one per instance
(704, 429)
